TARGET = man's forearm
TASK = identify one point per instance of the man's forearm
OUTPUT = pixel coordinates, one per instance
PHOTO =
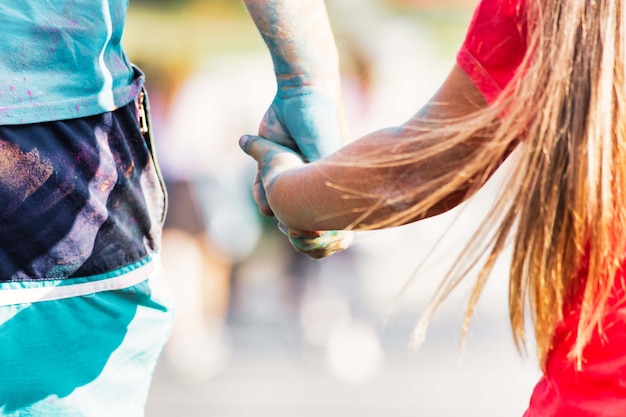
(300, 41)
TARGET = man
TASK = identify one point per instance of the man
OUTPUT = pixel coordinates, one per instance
(82, 316)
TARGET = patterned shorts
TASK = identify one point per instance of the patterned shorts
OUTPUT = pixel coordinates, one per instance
(83, 317)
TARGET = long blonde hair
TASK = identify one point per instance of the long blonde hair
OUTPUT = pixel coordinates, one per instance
(571, 203)
(564, 205)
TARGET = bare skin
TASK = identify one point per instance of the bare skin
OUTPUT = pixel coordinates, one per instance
(299, 193)
(306, 114)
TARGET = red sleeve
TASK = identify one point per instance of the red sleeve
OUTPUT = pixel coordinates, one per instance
(494, 46)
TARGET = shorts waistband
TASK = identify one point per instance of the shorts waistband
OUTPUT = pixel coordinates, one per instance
(12, 293)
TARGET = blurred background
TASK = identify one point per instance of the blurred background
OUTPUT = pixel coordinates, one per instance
(264, 331)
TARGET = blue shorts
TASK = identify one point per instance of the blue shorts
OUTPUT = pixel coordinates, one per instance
(82, 316)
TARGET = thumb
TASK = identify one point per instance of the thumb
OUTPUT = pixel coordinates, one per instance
(249, 144)
(261, 149)
(269, 154)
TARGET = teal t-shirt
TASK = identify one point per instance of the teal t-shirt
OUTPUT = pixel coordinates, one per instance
(63, 59)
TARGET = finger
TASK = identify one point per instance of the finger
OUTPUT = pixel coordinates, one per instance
(247, 144)
(268, 154)
(258, 192)
(319, 253)
(303, 234)
(326, 244)
(259, 148)
(325, 240)
(283, 229)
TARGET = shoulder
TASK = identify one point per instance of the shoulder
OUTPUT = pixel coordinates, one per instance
(495, 45)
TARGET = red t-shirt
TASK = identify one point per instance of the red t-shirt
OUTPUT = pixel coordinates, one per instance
(494, 46)
(491, 53)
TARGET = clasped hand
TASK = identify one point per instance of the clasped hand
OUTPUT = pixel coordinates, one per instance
(304, 126)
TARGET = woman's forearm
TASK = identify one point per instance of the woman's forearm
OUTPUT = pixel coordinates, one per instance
(333, 195)
(342, 191)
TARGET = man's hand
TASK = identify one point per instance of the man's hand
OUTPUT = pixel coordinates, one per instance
(317, 244)
(307, 120)
(273, 159)
(307, 113)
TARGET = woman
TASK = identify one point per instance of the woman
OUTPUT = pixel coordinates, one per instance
(540, 82)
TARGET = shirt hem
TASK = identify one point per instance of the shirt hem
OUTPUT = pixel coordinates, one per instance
(67, 109)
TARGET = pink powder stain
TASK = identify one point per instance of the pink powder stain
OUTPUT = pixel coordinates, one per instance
(135, 90)
(120, 63)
